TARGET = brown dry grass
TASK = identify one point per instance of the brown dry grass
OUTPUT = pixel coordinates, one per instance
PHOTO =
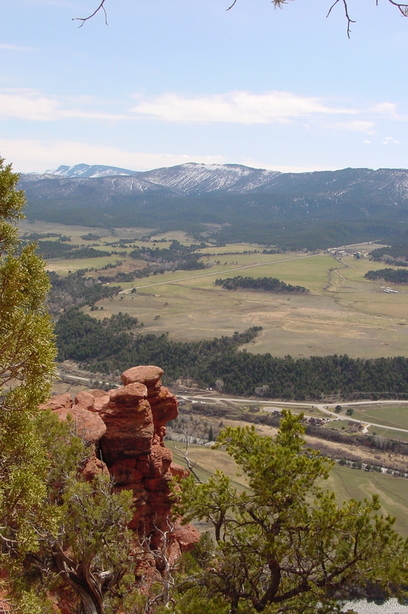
(343, 312)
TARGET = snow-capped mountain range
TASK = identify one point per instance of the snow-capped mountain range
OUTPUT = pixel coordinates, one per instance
(87, 171)
(190, 178)
(232, 195)
(193, 178)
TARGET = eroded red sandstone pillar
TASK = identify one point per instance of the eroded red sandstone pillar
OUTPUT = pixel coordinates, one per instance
(128, 425)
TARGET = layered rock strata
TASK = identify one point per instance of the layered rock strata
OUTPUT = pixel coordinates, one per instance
(126, 427)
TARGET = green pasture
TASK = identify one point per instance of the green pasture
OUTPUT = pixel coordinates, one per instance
(295, 408)
(343, 313)
(325, 321)
(388, 433)
(75, 232)
(348, 286)
(63, 267)
(396, 419)
(338, 424)
(206, 461)
(173, 235)
(386, 415)
(358, 484)
(232, 249)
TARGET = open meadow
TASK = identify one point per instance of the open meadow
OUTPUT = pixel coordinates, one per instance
(343, 313)
(350, 483)
(390, 414)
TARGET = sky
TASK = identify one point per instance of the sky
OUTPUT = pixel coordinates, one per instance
(174, 81)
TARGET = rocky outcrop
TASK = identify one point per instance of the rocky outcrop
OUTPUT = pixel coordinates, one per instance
(126, 427)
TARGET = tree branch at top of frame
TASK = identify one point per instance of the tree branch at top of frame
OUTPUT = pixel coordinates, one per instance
(401, 6)
(101, 7)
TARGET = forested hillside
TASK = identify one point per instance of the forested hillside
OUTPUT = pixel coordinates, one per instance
(99, 348)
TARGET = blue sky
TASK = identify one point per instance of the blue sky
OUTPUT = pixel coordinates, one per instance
(173, 81)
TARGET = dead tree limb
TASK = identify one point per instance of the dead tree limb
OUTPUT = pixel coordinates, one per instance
(101, 7)
(346, 13)
(190, 465)
(401, 6)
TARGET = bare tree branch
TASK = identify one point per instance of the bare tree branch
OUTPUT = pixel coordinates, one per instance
(164, 564)
(233, 4)
(349, 20)
(403, 8)
(190, 465)
(101, 7)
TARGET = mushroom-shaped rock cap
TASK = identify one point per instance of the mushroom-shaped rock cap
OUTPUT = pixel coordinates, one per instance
(148, 375)
(129, 394)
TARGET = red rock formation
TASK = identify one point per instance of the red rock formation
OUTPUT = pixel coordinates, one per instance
(89, 427)
(128, 426)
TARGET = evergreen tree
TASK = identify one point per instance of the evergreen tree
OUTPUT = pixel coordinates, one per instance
(284, 544)
(54, 527)
(26, 365)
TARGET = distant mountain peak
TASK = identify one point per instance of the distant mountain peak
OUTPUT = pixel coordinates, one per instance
(88, 171)
(330, 207)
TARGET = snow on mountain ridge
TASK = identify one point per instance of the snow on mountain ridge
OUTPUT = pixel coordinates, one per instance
(89, 171)
(198, 179)
(193, 178)
(189, 178)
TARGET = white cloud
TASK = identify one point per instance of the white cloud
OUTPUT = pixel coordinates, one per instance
(388, 110)
(389, 140)
(33, 106)
(26, 104)
(16, 47)
(53, 2)
(235, 107)
(284, 168)
(36, 156)
(358, 125)
(385, 108)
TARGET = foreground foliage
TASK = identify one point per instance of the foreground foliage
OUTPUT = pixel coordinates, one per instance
(82, 544)
(284, 544)
(26, 364)
(55, 528)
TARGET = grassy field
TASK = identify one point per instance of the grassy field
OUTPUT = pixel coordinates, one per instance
(358, 484)
(206, 462)
(345, 482)
(387, 415)
(384, 432)
(380, 416)
(343, 313)
(355, 317)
